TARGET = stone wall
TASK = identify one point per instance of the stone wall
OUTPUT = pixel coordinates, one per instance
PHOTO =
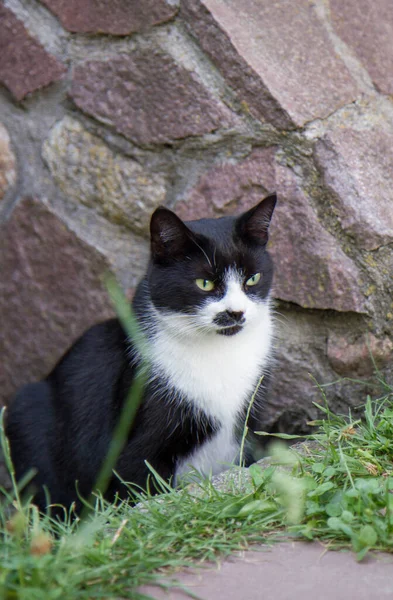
(110, 109)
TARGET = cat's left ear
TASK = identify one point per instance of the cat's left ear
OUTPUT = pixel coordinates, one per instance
(253, 225)
(169, 236)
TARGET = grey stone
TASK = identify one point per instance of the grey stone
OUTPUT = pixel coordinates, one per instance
(7, 162)
(358, 357)
(51, 290)
(25, 65)
(147, 97)
(367, 28)
(87, 171)
(357, 167)
(299, 362)
(276, 56)
(238, 480)
(117, 17)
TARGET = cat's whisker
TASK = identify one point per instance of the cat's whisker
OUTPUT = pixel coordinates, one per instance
(214, 256)
(276, 313)
(202, 250)
(185, 316)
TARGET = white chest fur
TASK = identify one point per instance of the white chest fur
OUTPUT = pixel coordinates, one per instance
(215, 373)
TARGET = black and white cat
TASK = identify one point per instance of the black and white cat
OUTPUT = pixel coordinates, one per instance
(204, 307)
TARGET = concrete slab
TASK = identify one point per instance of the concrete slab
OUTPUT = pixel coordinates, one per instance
(287, 571)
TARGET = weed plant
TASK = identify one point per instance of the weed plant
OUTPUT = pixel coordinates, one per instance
(349, 477)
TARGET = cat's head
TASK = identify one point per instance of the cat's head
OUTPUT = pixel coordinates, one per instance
(211, 276)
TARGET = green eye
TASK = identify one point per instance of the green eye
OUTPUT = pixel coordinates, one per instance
(254, 279)
(205, 284)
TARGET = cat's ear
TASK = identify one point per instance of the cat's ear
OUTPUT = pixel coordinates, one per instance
(169, 236)
(253, 225)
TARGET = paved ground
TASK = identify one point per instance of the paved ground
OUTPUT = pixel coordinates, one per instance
(289, 571)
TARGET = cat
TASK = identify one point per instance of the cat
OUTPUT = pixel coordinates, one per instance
(204, 306)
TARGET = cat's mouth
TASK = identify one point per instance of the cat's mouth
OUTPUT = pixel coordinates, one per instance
(230, 330)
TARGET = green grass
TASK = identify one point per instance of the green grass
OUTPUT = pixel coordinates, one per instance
(119, 548)
(350, 480)
(340, 493)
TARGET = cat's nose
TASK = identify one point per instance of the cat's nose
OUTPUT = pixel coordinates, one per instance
(228, 318)
(237, 316)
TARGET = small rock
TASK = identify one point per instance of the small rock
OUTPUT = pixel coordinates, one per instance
(360, 357)
(7, 162)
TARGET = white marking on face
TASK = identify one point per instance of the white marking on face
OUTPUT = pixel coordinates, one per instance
(234, 300)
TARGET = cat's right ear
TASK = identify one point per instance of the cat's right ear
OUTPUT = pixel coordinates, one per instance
(253, 225)
(169, 236)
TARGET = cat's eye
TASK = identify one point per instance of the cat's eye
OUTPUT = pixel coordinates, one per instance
(205, 284)
(253, 280)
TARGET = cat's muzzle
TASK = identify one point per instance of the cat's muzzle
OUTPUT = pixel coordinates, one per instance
(229, 322)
